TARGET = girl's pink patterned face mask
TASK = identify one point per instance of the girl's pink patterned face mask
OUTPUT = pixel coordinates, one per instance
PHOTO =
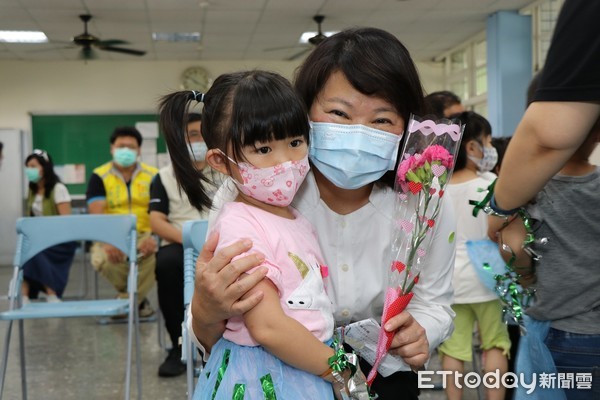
(275, 185)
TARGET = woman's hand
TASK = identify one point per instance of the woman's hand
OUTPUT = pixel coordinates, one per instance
(220, 284)
(410, 341)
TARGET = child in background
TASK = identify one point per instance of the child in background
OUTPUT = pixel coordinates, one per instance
(256, 129)
(473, 301)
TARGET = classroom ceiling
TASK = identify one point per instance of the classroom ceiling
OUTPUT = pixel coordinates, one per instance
(238, 29)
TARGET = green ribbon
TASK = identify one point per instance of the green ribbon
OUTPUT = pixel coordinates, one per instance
(338, 361)
(221, 371)
(238, 391)
(268, 387)
(483, 205)
(513, 299)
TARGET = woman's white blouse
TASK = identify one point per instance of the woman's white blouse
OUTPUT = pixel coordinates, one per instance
(356, 248)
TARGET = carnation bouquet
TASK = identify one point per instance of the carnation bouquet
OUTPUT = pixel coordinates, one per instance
(425, 168)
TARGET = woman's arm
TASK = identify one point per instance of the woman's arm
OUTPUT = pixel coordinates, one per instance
(219, 286)
(64, 208)
(62, 199)
(283, 336)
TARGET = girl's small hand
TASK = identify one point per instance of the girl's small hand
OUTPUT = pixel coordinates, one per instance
(410, 341)
(220, 283)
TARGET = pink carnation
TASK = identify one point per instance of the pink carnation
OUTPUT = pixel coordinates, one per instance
(410, 164)
(438, 153)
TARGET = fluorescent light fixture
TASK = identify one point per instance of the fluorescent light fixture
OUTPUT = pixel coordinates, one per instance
(176, 36)
(23, 37)
(307, 35)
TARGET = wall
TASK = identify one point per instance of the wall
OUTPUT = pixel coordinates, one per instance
(73, 87)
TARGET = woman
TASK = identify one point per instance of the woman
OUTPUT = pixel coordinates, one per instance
(359, 84)
(48, 271)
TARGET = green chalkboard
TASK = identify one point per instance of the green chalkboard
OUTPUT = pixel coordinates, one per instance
(82, 139)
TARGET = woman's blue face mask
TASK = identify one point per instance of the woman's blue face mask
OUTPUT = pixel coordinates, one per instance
(352, 156)
(32, 174)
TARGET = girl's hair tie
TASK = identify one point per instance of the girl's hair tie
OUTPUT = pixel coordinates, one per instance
(199, 97)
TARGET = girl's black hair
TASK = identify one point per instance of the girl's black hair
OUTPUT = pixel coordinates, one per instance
(375, 63)
(240, 109)
(476, 128)
(50, 177)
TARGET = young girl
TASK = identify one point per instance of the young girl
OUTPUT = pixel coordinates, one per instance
(48, 271)
(256, 129)
(473, 301)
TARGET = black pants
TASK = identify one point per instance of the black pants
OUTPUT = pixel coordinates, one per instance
(401, 385)
(169, 281)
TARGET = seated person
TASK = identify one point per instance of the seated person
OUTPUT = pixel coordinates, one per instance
(122, 186)
(169, 209)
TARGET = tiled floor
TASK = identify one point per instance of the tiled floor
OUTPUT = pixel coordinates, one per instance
(80, 359)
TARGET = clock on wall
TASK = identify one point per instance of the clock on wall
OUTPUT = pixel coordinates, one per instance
(196, 78)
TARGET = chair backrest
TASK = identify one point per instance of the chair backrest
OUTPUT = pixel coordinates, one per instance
(39, 233)
(194, 236)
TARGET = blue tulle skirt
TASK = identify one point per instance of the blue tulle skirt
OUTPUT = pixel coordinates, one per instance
(243, 372)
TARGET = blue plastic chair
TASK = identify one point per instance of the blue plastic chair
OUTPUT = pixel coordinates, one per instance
(38, 233)
(194, 236)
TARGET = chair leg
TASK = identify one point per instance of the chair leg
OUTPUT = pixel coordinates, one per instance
(138, 353)
(130, 321)
(22, 356)
(5, 357)
(190, 369)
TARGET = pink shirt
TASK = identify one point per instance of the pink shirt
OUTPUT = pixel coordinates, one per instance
(294, 260)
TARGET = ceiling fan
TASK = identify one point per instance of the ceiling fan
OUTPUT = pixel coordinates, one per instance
(313, 41)
(89, 42)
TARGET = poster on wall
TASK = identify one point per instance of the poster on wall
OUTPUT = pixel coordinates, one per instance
(71, 173)
(149, 131)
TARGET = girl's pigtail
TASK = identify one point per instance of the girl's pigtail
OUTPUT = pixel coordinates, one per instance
(173, 116)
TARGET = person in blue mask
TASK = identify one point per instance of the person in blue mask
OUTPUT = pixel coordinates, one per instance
(169, 210)
(47, 271)
(122, 186)
(360, 87)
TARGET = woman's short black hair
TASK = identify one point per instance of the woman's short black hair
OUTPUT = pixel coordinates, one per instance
(375, 63)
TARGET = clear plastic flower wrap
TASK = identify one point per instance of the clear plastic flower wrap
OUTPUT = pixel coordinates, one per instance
(425, 168)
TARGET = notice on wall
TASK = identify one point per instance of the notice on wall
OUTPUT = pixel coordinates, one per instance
(149, 130)
(71, 173)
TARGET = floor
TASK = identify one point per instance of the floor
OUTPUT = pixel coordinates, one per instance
(79, 358)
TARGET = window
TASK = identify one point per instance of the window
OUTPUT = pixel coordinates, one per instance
(544, 16)
(465, 67)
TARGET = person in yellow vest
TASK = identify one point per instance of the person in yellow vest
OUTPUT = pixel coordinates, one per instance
(169, 209)
(47, 271)
(122, 186)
